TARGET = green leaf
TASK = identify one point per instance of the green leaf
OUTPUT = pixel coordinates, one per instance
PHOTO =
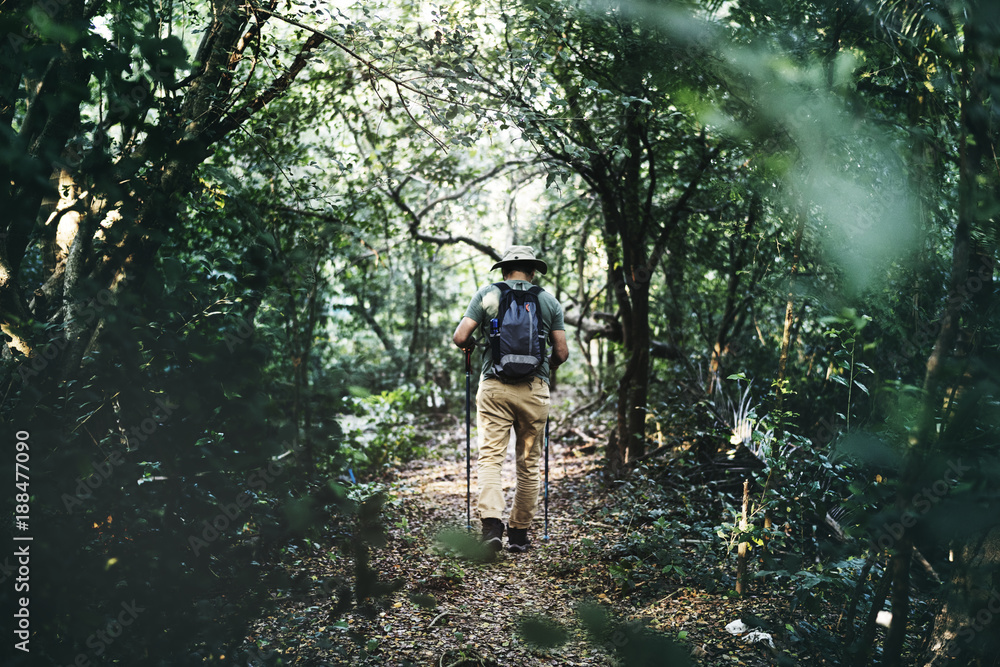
(542, 632)
(423, 600)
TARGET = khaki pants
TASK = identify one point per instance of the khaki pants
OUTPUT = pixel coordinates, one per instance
(525, 407)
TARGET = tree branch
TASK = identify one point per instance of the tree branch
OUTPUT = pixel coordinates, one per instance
(680, 206)
(277, 87)
(371, 66)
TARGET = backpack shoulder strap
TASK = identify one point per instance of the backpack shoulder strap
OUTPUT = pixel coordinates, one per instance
(504, 288)
(537, 292)
(494, 338)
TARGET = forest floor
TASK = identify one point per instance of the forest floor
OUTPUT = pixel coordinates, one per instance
(452, 610)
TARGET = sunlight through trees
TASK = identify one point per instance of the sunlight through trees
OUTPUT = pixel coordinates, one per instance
(236, 238)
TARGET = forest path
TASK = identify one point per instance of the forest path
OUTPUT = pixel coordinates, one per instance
(455, 611)
(480, 604)
(451, 610)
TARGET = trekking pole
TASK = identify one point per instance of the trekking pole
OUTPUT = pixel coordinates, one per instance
(468, 438)
(546, 479)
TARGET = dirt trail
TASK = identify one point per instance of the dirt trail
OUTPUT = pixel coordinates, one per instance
(479, 605)
(451, 610)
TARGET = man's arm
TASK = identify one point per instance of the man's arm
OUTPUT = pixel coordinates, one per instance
(560, 350)
(465, 329)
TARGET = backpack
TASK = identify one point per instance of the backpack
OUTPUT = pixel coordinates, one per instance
(517, 340)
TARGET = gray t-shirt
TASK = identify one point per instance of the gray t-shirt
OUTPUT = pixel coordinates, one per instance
(485, 305)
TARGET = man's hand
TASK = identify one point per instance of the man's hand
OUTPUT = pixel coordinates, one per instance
(463, 334)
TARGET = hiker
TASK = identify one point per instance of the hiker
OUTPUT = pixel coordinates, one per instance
(505, 400)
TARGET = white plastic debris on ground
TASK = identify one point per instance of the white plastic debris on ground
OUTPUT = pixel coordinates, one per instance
(737, 627)
(758, 636)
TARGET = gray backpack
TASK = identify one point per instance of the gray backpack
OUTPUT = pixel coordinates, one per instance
(516, 336)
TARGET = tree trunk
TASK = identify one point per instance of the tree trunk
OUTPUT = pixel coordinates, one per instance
(304, 379)
(979, 563)
(732, 315)
(584, 302)
(899, 570)
(967, 629)
(51, 118)
(142, 209)
(786, 333)
(418, 313)
(633, 388)
(861, 649)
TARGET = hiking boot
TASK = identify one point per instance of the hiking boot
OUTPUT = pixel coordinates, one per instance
(493, 534)
(517, 540)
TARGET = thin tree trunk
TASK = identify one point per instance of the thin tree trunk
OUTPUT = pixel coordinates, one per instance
(418, 311)
(735, 302)
(862, 648)
(742, 580)
(972, 146)
(633, 388)
(786, 334)
(967, 628)
(304, 381)
(583, 300)
(851, 613)
(615, 449)
(899, 570)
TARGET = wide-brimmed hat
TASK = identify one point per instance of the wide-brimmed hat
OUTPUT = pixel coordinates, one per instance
(522, 254)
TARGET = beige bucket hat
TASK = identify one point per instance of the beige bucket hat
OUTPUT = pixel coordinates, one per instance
(522, 254)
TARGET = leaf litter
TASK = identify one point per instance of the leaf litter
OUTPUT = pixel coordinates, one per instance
(452, 607)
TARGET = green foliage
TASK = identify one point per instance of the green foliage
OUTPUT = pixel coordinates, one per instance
(649, 554)
(817, 583)
(848, 370)
(227, 271)
(631, 643)
(657, 516)
(542, 632)
(391, 430)
(462, 545)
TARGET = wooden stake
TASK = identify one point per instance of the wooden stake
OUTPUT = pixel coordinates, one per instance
(741, 554)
